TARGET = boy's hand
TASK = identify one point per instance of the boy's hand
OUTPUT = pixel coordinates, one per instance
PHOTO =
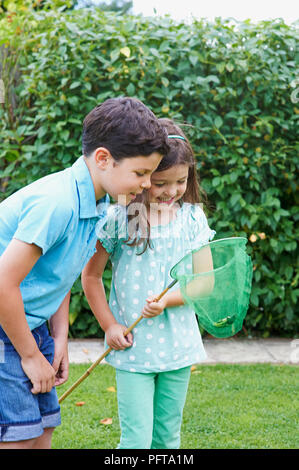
(153, 308)
(61, 362)
(40, 372)
(115, 337)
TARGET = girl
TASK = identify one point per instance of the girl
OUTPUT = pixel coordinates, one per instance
(153, 374)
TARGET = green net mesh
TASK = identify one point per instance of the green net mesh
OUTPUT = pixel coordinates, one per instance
(215, 281)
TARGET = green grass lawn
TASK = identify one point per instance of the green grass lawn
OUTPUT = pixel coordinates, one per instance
(227, 407)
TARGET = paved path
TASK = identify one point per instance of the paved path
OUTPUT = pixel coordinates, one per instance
(219, 351)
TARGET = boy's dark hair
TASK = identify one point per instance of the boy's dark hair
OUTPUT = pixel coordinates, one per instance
(126, 127)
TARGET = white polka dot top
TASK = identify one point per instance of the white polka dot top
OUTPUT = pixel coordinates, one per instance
(171, 340)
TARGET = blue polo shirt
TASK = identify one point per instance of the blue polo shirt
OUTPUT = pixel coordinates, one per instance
(58, 213)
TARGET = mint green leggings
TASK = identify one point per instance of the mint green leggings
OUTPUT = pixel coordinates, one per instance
(150, 408)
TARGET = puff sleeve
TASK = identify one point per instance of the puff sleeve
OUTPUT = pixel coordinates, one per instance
(113, 229)
(200, 232)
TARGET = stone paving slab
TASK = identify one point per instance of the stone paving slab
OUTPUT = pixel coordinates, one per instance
(240, 351)
(219, 351)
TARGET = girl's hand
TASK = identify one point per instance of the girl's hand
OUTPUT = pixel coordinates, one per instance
(153, 308)
(115, 337)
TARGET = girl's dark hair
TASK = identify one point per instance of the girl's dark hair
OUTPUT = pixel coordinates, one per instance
(180, 153)
(126, 127)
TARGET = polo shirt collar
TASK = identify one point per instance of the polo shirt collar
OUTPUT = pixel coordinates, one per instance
(88, 206)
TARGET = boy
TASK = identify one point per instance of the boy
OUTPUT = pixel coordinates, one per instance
(46, 238)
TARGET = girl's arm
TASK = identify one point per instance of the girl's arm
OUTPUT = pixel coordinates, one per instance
(15, 263)
(94, 290)
(199, 287)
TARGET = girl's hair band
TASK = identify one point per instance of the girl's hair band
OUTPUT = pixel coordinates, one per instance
(176, 137)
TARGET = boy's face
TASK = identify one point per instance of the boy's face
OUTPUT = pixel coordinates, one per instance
(130, 176)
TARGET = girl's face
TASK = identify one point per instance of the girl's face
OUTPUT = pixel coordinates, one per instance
(168, 186)
(130, 176)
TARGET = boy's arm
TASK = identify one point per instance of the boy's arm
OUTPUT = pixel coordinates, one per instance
(95, 293)
(59, 327)
(15, 263)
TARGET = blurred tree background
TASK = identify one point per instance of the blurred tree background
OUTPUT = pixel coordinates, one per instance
(234, 85)
(120, 6)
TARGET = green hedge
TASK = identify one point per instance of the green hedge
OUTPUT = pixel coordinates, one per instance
(233, 83)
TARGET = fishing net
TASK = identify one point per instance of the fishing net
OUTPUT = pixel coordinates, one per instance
(215, 280)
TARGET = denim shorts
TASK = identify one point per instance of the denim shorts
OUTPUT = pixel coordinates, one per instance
(24, 415)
